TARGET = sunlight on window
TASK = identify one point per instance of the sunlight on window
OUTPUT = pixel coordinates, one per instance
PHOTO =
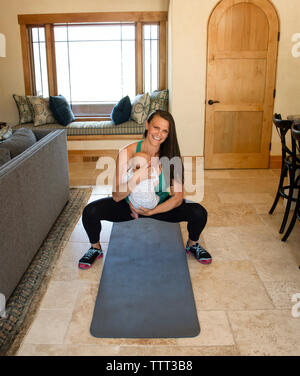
(40, 61)
(151, 57)
(95, 64)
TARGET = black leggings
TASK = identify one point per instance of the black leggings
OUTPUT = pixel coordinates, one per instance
(109, 210)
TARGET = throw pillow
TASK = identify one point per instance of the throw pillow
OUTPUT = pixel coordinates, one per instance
(41, 112)
(5, 133)
(25, 115)
(159, 100)
(21, 139)
(4, 156)
(61, 110)
(140, 108)
(122, 110)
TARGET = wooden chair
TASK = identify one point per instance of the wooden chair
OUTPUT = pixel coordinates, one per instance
(296, 136)
(289, 165)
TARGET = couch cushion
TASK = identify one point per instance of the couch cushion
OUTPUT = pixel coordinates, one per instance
(122, 110)
(61, 110)
(24, 109)
(22, 139)
(4, 156)
(41, 111)
(140, 108)
(93, 128)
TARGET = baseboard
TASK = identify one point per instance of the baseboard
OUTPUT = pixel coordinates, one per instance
(275, 161)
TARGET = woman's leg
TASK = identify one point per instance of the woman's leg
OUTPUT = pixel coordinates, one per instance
(196, 217)
(93, 213)
(193, 213)
(104, 209)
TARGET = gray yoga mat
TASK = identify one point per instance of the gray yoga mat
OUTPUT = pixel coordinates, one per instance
(145, 289)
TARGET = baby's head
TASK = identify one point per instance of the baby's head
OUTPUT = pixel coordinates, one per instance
(139, 160)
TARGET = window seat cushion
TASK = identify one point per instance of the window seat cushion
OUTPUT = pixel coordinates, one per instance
(90, 128)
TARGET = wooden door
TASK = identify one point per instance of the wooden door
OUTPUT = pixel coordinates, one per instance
(241, 72)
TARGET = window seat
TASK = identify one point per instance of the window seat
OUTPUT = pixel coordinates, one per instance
(94, 129)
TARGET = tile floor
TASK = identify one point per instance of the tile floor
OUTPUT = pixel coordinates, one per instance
(243, 299)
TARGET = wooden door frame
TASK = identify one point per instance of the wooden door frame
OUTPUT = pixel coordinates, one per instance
(47, 21)
(273, 18)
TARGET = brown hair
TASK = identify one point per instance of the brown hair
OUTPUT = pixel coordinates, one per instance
(170, 147)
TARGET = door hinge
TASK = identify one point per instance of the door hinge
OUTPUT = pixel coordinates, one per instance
(274, 93)
(270, 146)
(278, 36)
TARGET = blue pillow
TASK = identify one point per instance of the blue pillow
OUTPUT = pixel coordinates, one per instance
(122, 110)
(61, 110)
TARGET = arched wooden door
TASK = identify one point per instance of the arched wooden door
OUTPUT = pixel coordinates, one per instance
(241, 74)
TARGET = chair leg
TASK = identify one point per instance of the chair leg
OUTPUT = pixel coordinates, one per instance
(280, 185)
(289, 202)
(293, 220)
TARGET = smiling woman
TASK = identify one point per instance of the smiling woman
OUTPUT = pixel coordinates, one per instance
(160, 142)
(162, 130)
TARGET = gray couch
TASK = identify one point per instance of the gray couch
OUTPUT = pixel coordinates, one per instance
(34, 188)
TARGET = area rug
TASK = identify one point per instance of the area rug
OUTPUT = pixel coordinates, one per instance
(25, 300)
(145, 289)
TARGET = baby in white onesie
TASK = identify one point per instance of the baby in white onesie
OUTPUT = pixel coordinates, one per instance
(144, 193)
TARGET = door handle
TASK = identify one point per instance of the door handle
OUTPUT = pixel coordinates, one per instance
(211, 102)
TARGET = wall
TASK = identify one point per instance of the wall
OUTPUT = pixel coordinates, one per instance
(187, 59)
(188, 35)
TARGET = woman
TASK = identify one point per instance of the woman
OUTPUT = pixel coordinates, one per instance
(160, 143)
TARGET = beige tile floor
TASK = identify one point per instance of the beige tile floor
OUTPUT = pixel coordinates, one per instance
(243, 299)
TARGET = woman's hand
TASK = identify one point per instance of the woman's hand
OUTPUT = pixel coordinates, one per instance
(141, 210)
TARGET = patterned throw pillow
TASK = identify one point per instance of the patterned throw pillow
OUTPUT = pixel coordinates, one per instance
(25, 115)
(159, 100)
(140, 108)
(5, 133)
(41, 112)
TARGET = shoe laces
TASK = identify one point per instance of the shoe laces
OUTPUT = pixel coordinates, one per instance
(91, 251)
(198, 249)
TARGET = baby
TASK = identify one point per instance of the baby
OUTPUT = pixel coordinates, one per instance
(144, 193)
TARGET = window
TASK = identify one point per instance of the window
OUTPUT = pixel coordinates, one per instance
(40, 61)
(94, 64)
(151, 57)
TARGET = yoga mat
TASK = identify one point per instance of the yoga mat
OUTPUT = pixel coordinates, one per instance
(145, 289)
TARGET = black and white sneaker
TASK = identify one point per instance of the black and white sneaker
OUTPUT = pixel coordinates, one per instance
(199, 253)
(89, 257)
